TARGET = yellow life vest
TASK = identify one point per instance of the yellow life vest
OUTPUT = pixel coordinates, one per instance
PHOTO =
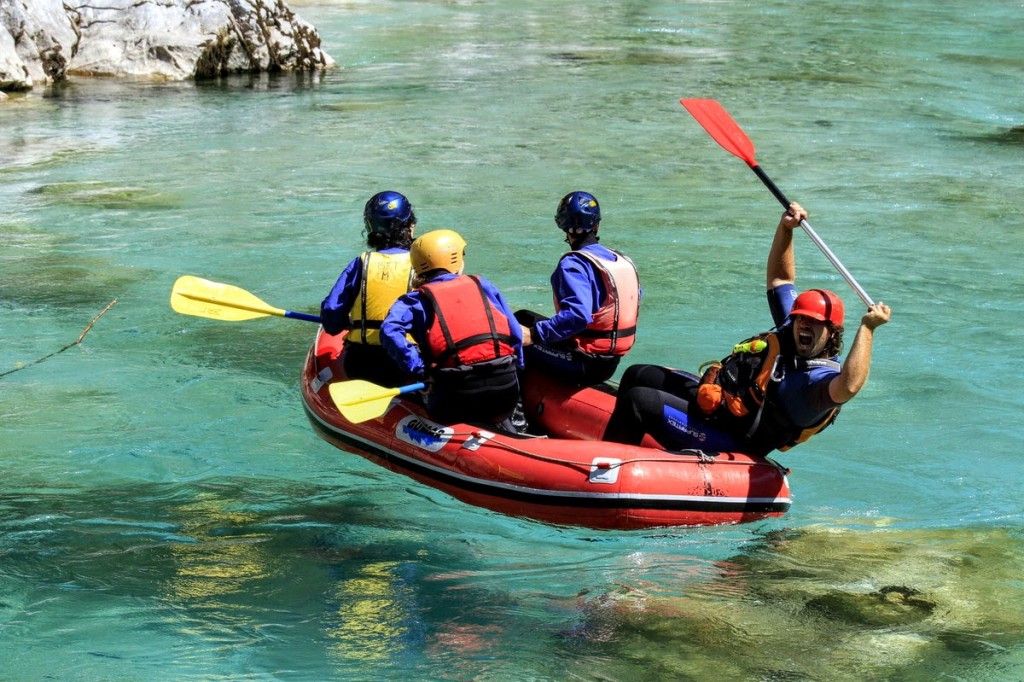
(386, 276)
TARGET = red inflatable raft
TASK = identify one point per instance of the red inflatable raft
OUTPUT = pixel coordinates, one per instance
(560, 472)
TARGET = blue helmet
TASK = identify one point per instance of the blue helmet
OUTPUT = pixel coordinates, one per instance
(386, 211)
(578, 213)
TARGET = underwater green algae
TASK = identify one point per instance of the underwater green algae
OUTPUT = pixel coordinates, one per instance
(97, 194)
(83, 283)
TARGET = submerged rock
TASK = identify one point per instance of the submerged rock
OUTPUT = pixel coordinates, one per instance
(821, 603)
(45, 41)
(891, 605)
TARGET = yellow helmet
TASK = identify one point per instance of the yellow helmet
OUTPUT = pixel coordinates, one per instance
(440, 249)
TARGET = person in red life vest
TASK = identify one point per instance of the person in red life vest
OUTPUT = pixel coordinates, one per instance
(597, 301)
(369, 285)
(468, 346)
(773, 391)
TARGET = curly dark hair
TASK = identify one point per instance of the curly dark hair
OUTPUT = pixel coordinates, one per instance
(399, 236)
(834, 347)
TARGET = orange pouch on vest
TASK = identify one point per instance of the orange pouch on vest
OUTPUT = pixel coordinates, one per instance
(709, 394)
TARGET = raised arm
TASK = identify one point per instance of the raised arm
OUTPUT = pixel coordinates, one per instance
(858, 362)
(781, 267)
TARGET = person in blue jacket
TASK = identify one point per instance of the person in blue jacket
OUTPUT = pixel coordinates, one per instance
(369, 285)
(773, 391)
(465, 343)
(597, 302)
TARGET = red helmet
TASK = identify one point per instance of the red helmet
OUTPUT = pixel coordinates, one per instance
(819, 304)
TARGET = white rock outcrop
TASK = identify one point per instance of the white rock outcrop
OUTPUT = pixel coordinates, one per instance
(44, 41)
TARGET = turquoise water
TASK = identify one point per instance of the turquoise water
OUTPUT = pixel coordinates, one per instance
(166, 512)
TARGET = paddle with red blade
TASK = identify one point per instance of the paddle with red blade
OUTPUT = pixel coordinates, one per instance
(726, 132)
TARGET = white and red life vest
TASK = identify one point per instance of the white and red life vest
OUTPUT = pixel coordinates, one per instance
(613, 329)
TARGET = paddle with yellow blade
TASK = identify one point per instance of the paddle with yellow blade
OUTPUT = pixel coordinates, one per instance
(203, 298)
(359, 401)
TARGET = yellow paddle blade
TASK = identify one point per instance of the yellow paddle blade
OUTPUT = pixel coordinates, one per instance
(203, 298)
(359, 401)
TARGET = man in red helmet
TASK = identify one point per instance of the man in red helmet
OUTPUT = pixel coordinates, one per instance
(773, 391)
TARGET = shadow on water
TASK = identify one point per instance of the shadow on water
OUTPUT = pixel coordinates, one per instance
(1010, 137)
(230, 565)
(355, 580)
(272, 349)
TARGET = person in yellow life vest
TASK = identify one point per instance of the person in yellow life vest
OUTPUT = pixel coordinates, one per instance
(597, 302)
(369, 285)
(466, 343)
(773, 391)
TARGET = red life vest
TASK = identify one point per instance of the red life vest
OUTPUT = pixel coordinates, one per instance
(613, 329)
(467, 328)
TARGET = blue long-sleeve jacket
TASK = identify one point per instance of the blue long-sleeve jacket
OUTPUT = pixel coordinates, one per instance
(579, 290)
(411, 315)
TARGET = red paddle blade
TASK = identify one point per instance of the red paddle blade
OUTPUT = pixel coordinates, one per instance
(720, 126)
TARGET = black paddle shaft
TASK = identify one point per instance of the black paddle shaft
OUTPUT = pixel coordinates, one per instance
(771, 185)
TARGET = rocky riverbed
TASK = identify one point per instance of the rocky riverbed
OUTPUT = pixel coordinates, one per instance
(48, 41)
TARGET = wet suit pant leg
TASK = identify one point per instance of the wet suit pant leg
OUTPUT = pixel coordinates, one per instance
(657, 401)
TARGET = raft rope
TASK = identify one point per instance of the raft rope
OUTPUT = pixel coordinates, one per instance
(701, 456)
(77, 341)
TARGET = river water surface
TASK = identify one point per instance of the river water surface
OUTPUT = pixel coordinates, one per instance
(166, 511)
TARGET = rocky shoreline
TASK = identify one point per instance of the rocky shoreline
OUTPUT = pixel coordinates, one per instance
(46, 41)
